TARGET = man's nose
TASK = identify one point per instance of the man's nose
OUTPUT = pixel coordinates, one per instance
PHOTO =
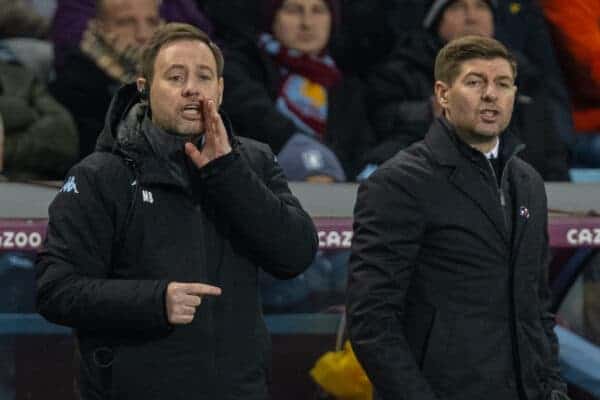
(470, 15)
(192, 89)
(489, 92)
(306, 19)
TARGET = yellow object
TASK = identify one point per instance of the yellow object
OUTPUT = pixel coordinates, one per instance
(514, 8)
(340, 374)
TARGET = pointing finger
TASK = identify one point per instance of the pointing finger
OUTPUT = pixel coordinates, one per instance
(202, 289)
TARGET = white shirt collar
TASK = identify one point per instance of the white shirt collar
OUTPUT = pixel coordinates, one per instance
(494, 152)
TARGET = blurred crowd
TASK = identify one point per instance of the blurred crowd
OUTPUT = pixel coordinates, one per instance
(335, 87)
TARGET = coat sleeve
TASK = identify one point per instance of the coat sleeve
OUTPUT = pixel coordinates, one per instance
(388, 227)
(73, 272)
(551, 375)
(277, 232)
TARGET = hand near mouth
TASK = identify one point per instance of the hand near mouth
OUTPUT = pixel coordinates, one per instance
(216, 142)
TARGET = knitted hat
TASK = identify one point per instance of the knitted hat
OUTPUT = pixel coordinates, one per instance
(270, 8)
(303, 157)
(437, 8)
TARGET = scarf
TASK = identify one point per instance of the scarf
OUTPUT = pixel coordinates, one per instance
(120, 65)
(305, 79)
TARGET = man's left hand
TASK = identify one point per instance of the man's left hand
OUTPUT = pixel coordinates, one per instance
(216, 142)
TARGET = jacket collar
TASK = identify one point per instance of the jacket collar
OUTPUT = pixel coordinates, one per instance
(158, 157)
(448, 150)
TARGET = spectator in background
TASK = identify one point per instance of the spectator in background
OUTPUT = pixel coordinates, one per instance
(106, 58)
(286, 83)
(401, 99)
(576, 28)
(40, 139)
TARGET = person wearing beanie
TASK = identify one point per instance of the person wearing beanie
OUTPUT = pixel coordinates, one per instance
(286, 83)
(453, 19)
(400, 89)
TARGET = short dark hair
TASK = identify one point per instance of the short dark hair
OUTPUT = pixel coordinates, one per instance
(172, 32)
(451, 57)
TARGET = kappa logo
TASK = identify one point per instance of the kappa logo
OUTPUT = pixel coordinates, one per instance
(147, 196)
(70, 186)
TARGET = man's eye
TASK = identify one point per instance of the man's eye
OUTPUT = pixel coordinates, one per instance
(473, 83)
(176, 78)
(205, 77)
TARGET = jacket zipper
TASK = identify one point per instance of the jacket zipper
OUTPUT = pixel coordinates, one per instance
(513, 311)
(499, 187)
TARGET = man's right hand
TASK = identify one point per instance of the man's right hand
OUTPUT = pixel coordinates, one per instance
(182, 299)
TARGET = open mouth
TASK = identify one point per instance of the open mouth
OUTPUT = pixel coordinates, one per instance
(489, 115)
(192, 111)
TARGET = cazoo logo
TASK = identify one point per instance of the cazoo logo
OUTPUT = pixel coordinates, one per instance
(335, 239)
(20, 240)
(584, 236)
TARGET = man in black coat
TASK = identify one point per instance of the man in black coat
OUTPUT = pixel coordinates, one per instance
(155, 240)
(447, 295)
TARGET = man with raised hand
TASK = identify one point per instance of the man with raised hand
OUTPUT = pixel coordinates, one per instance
(155, 240)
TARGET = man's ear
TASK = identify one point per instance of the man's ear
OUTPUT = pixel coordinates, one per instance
(141, 84)
(441, 93)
